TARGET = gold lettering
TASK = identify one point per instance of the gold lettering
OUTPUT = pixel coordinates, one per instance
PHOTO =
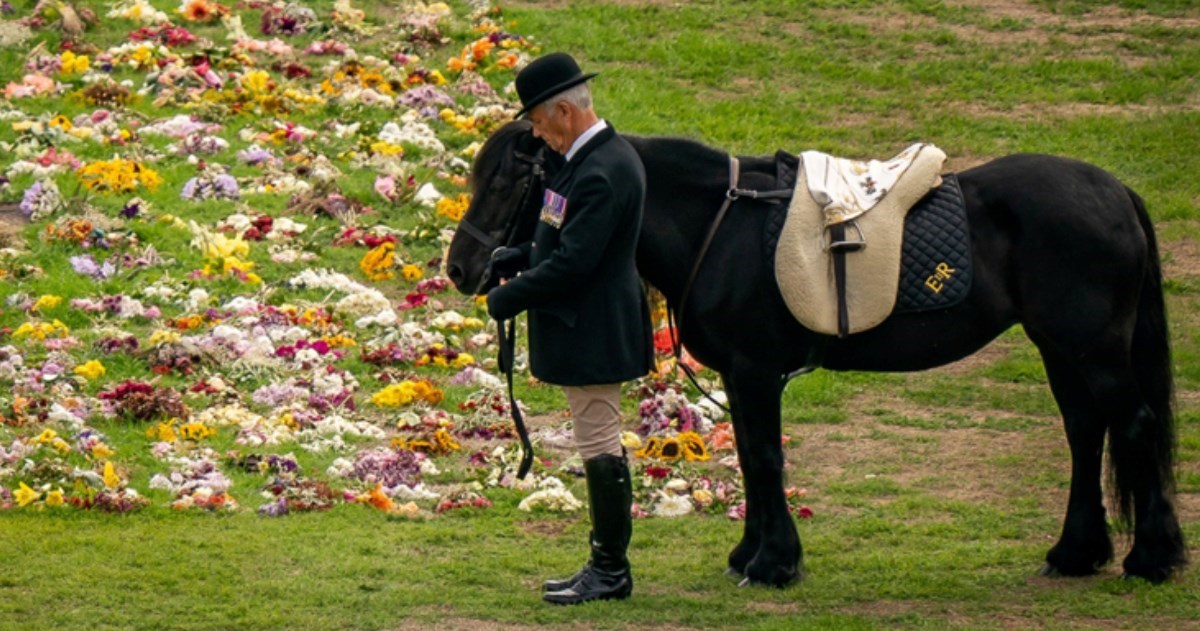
(942, 272)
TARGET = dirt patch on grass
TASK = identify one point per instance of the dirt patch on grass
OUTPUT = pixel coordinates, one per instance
(12, 223)
(969, 464)
(1181, 258)
(13, 33)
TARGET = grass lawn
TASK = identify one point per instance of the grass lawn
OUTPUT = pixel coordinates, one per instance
(935, 495)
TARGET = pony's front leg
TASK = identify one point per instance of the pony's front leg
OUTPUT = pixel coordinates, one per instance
(770, 551)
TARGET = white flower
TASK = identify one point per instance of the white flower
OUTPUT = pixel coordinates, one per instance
(556, 499)
(671, 505)
(428, 195)
(676, 485)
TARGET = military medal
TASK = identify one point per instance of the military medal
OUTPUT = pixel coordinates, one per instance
(554, 208)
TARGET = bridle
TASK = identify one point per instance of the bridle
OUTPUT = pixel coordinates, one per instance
(507, 337)
(503, 237)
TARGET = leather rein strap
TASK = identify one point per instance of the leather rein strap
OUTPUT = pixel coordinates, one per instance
(732, 194)
(506, 330)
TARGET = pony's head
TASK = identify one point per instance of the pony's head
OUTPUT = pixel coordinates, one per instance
(507, 182)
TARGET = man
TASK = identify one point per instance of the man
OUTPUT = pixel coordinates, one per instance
(589, 326)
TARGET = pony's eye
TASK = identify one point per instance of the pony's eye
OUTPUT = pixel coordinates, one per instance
(499, 186)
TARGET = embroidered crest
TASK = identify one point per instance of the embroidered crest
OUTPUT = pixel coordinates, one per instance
(554, 208)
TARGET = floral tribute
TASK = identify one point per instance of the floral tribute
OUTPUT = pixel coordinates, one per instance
(236, 297)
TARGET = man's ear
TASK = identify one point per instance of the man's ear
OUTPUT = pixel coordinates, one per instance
(563, 108)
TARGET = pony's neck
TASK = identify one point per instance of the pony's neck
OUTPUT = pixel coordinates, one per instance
(685, 185)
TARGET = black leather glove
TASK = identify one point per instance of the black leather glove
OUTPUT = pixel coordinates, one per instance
(507, 262)
(498, 304)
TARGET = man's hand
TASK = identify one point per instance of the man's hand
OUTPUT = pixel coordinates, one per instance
(498, 304)
(507, 262)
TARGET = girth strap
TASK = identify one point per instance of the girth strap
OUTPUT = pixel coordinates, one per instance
(732, 194)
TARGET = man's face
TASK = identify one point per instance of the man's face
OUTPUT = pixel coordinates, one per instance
(550, 124)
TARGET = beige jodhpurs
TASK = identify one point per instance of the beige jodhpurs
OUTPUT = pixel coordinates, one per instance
(596, 411)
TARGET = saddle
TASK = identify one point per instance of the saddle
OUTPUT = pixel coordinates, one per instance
(838, 260)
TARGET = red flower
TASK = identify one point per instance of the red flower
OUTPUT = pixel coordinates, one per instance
(658, 473)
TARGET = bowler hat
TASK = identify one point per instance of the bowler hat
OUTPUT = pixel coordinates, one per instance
(547, 76)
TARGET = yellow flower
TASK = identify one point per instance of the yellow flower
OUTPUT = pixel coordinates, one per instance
(100, 450)
(405, 392)
(463, 360)
(141, 55)
(196, 431)
(25, 495)
(61, 446)
(162, 432)
(412, 272)
(693, 447)
(670, 449)
(453, 208)
(54, 498)
(377, 264)
(111, 479)
(72, 63)
(386, 149)
(47, 302)
(47, 435)
(339, 340)
(117, 176)
(91, 370)
(631, 441)
(163, 337)
(256, 81)
(61, 122)
(651, 449)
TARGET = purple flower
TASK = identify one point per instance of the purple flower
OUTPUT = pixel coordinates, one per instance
(278, 508)
(132, 209)
(189, 188)
(226, 186)
(88, 266)
(423, 97)
(387, 467)
(255, 155)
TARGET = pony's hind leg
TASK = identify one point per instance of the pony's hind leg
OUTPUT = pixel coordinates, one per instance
(770, 551)
(1140, 449)
(1084, 546)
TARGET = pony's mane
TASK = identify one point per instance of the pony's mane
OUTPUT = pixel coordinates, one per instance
(679, 156)
(497, 152)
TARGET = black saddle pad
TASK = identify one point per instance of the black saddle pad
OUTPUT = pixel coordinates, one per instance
(935, 272)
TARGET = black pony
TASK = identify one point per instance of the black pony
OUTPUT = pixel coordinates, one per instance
(1058, 246)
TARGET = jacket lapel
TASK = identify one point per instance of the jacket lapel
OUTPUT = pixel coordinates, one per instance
(568, 169)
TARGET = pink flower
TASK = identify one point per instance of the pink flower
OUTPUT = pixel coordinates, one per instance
(385, 185)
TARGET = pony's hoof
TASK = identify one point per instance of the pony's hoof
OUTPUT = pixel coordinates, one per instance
(745, 582)
(733, 573)
(1049, 571)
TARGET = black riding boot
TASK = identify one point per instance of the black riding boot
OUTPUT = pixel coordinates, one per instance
(606, 575)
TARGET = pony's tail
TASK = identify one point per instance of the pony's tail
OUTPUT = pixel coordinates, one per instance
(1151, 353)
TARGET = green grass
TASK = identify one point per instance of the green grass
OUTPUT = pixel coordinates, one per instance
(936, 494)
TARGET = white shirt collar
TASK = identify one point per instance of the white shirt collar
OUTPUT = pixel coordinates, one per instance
(587, 135)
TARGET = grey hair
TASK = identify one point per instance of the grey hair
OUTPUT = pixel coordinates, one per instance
(580, 96)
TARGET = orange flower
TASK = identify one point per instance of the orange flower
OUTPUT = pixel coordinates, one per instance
(377, 499)
(722, 437)
(481, 47)
(202, 10)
